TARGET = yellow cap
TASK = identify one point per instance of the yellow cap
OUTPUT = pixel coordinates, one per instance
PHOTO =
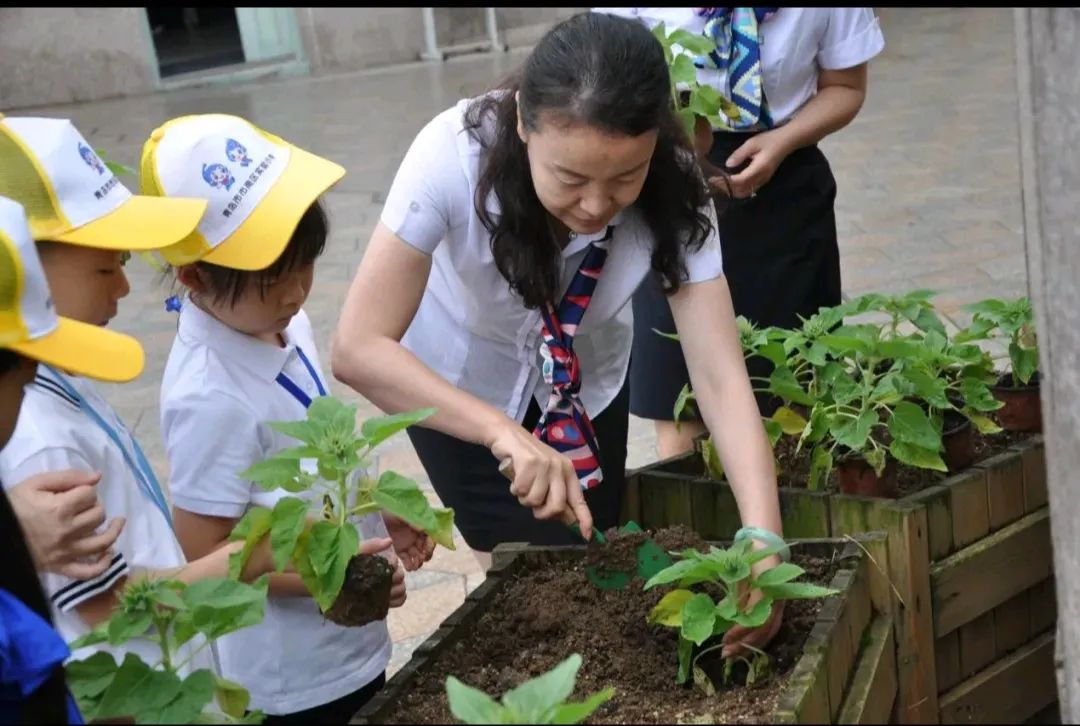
(257, 184)
(29, 324)
(71, 196)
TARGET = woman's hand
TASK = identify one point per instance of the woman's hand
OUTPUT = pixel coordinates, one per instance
(397, 588)
(60, 514)
(542, 478)
(412, 546)
(764, 152)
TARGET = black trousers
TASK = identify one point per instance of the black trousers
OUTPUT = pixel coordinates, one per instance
(466, 477)
(340, 711)
(781, 261)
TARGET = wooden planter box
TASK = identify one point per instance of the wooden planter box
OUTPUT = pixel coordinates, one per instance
(970, 559)
(847, 673)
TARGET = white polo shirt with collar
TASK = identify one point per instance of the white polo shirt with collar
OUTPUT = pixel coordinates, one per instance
(796, 44)
(218, 391)
(470, 327)
(55, 433)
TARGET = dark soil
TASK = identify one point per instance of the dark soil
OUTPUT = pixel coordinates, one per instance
(544, 616)
(793, 470)
(365, 596)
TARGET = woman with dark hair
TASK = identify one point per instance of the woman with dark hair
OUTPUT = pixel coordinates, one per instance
(496, 287)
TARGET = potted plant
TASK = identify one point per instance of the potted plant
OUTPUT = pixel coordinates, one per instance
(1017, 388)
(171, 614)
(351, 589)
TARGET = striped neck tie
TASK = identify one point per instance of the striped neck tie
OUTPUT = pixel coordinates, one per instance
(565, 425)
(736, 34)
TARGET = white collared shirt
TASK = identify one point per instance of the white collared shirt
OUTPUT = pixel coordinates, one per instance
(796, 44)
(470, 327)
(54, 433)
(218, 392)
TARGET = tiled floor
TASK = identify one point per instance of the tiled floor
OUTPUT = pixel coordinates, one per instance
(928, 177)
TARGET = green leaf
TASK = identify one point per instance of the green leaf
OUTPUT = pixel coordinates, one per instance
(846, 345)
(197, 691)
(232, 698)
(573, 713)
(304, 431)
(929, 388)
(681, 402)
(401, 496)
(251, 528)
(96, 636)
(714, 465)
(136, 690)
(782, 383)
(299, 452)
(774, 351)
(88, 679)
(687, 572)
(983, 424)
(323, 546)
(534, 698)
(694, 42)
(1025, 361)
(288, 521)
(443, 533)
(686, 650)
(977, 395)
(219, 606)
(379, 429)
(698, 618)
(348, 545)
(927, 320)
(773, 430)
(123, 626)
(821, 463)
(669, 336)
(303, 565)
(987, 307)
(472, 706)
(790, 422)
(915, 455)
(669, 611)
(682, 70)
(784, 572)
(273, 473)
(854, 432)
(911, 425)
(757, 616)
(797, 591)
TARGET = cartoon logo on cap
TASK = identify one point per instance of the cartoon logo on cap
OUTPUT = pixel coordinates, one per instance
(218, 176)
(91, 158)
(237, 152)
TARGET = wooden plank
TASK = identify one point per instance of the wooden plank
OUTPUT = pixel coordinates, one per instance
(1009, 691)
(805, 514)
(969, 506)
(947, 658)
(859, 604)
(1042, 605)
(875, 546)
(1012, 623)
(840, 651)
(1033, 453)
(714, 510)
(631, 500)
(1004, 488)
(873, 686)
(677, 495)
(939, 519)
(980, 577)
(849, 514)
(977, 647)
(652, 491)
(909, 564)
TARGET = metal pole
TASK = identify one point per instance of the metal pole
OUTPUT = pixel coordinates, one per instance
(431, 46)
(493, 31)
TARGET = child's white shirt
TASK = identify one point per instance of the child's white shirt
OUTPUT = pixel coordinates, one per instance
(219, 389)
(54, 433)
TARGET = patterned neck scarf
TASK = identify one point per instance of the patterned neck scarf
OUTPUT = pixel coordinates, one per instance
(736, 33)
(565, 425)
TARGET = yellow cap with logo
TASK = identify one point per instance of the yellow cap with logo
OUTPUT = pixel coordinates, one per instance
(71, 196)
(29, 324)
(258, 187)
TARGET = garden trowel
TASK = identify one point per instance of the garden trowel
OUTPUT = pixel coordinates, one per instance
(651, 557)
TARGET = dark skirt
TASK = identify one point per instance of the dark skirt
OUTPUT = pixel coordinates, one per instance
(466, 477)
(781, 261)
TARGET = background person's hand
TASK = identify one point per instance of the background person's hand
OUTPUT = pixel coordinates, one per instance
(397, 588)
(60, 514)
(764, 152)
(542, 478)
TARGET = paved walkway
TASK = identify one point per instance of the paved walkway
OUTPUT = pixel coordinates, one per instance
(928, 177)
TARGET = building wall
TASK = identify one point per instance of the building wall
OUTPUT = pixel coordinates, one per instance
(61, 55)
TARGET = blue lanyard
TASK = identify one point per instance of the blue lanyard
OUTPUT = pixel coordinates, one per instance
(141, 469)
(298, 393)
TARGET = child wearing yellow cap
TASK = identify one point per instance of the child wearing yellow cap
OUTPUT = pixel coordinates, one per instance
(85, 221)
(245, 354)
(32, 653)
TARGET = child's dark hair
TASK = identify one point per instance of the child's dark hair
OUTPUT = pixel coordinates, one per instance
(307, 243)
(605, 72)
(9, 361)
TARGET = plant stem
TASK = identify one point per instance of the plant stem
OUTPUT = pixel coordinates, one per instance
(162, 626)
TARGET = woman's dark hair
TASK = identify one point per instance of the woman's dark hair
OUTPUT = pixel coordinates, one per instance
(9, 361)
(608, 73)
(306, 244)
